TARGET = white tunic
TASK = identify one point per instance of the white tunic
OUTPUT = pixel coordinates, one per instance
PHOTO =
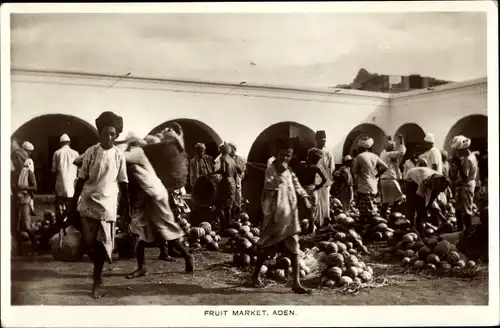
(62, 164)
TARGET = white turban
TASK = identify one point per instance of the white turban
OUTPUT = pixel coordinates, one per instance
(459, 142)
(28, 146)
(126, 136)
(64, 138)
(429, 137)
(365, 142)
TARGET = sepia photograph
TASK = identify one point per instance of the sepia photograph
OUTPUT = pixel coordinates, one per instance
(249, 162)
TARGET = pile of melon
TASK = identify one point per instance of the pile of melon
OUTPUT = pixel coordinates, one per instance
(204, 236)
(343, 267)
(431, 255)
(377, 229)
(279, 268)
(243, 238)
(45, 225)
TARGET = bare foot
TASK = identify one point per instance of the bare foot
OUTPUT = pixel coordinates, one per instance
(138, 273)
(166, 258)
(97, 291)
(257, 283)
(301, 290)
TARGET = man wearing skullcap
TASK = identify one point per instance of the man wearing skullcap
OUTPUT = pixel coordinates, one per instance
(226, 191)
(200, 165)
(433, 155)
(343, 183)
(65, 174)
(240, 171)
(327, 165)
(389, 181)
(280, 225)
(101, 179)
(306, 174)
(467, 176)
(368, 167)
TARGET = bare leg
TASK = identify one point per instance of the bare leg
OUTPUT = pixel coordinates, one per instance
(164, 252)
(296, 286)
(188, 257)
(100, 258)
(256, 282)
(141, 262)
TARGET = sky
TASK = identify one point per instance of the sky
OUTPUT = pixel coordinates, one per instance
(310, 50)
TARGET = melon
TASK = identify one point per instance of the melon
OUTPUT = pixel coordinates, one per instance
(432, 258)
(206, 226)
(399, 245)
(238, 237)
(400, 253)
(331, 248)
(414, 259)
(423, 252)
(353, 235)
(346, 254)
(322, 245)
(340, 236)
(444, 265)
(335, 259)
(232, 232)
(353, 251)
(323, 257)
(408, 238)
(271, 264)
(334, 273)
(369, 269)
(196, 245)
(378, 236)
(362, 265)
(280, 274)
(365, 276)
(197, 233)
(213, 246)
(418, 244)
(345, 280)
(381, 227)
(255, 231)
(453, 257)
(243, 217)
(470, 265)
(414, 236)
(243, 230)
(418, 264)
(460, 264)
(349, 221)
(213, 234)
(255, 240)
(236, 225)
(217, 238)
(246, 244)
(409, 253)
(207, 239)
(248, 235)
(341, 246)
(340, 217)
(352, 272)
(431, 242)
(401, 223)
(263, 270)
(430, 267)
(406, 261)
(443, 248)
(379, 220)
(283, 263)
(183, 222)
(329, 283)
(352, 260)
(246, 260)
(388, 235)
(349, 245)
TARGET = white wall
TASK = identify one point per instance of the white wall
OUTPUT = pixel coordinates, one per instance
(237, 113)
(437, 110)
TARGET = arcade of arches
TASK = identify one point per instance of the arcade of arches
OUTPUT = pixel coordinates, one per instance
(83, 135)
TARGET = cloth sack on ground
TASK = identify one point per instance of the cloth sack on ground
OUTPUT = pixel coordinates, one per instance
(67, 245)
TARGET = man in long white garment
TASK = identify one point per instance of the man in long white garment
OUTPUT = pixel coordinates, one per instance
(65, 175)
(327, 165)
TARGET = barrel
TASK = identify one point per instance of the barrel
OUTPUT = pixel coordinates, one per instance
(170, 163)
(204, 191)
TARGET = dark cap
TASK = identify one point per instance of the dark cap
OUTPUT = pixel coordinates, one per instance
(321, 134)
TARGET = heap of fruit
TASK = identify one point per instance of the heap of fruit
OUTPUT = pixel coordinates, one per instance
(204, 236)
(432, 255)
(243, 239)
(342, 265)
(279, 268)
(45, 225)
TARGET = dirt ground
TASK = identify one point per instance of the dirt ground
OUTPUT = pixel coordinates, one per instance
(45, 281)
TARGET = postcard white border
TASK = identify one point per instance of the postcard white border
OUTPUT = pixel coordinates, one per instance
(192, 316)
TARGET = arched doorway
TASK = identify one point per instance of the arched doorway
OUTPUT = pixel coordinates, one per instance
(44, 133)
(194, 132)
(371, 130)
(262, 150)
(474, 127)
(413, 136)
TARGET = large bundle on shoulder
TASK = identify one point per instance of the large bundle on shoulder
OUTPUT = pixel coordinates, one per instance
(167, 155)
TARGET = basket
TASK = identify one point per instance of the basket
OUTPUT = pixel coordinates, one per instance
(170, 163)
(204, 191)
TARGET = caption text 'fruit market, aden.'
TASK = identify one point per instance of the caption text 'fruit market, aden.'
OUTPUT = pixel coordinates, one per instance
(258, 313)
